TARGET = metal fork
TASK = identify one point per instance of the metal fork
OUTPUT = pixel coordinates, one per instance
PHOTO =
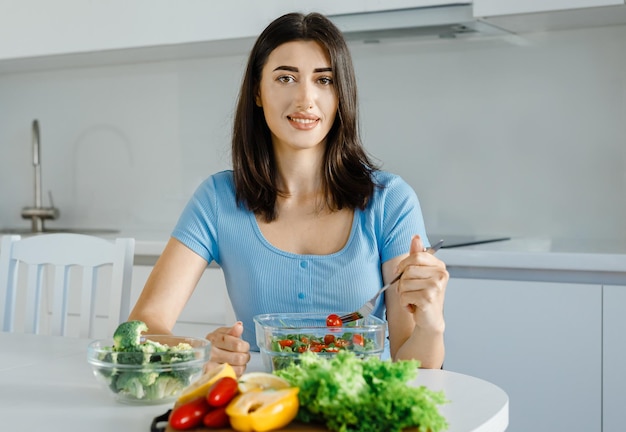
(368, 307)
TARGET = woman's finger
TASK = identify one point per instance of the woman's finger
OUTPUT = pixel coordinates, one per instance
(228, 347)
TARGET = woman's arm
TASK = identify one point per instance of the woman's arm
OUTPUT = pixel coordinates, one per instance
(415, 306)
(169, 287)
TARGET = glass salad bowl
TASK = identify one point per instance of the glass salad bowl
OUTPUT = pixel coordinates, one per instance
(154, 373)
(283, 337)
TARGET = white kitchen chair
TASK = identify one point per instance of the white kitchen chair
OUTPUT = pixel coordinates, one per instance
(25, 272)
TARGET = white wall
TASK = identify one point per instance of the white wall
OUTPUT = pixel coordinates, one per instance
(496, 138)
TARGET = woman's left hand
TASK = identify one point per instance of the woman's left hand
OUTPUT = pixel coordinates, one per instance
(422, 286)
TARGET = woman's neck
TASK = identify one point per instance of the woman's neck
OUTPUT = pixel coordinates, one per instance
(300, 174)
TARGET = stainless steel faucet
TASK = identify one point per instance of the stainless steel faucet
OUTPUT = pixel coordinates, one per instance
(37, 214)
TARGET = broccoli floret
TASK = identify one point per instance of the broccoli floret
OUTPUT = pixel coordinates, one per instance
(127, 336)
(179, 353)
(129, 358)
(135, 383)
(150, 347)
(165, 386)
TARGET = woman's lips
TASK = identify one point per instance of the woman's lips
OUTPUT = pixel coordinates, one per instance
(303, 122)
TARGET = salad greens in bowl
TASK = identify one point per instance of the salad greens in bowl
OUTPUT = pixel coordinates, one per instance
(283, 337)
(147, 369)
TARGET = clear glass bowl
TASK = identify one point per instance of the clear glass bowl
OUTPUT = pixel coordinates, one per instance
(148, 377)
(282, 337)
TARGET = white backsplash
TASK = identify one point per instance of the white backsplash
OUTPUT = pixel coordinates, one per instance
(496, 138)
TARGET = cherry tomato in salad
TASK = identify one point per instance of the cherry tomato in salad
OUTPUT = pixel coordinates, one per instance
(286, 343)
(302, 348)
(189, 415)
(216, 418)
(317, 348)
(222, 391)
(341, 343)
(333, 320)
(357, 339)
(329, 339)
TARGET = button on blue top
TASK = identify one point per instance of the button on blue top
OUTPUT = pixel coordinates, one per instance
(301, 296)
(304, 264)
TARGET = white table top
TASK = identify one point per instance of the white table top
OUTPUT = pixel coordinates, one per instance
(47, 384)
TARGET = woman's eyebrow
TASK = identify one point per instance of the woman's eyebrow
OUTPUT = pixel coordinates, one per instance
(295, 69)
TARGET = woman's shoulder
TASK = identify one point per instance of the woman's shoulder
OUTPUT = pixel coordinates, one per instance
(386, 180)
(219, 180)
(219, 186)
(381, 176)
(391, 190)
(223, 177)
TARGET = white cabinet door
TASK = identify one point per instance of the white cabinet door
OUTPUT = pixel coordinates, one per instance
(540, 342)
(35, 28)
(614, 359)
(333, 7)
(76, 26)
(485, 8)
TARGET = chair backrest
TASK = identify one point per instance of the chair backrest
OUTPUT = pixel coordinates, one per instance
(31, 258)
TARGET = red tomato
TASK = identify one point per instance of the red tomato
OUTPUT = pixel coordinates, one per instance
(216, 419)
(222, 391)
(189, 415)
(341, 343)
(285, 343)
(357, 339)
(328, 339)
(317, 348)
(302, 348)
(333, 320)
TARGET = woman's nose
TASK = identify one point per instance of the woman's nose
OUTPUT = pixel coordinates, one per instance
(306, 96)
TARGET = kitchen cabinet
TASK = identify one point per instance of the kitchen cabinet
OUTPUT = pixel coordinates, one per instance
(485, 8)
(614, 359)
(69, 33)
(539, 341)
(520, 17)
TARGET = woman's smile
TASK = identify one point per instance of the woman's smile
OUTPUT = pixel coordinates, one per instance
(303, 122)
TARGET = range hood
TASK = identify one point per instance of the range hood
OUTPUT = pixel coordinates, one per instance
(449, 21)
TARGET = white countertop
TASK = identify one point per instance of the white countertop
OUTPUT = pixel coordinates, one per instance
(541, 253)
(517, 253)
(535, 253)
(47, 384)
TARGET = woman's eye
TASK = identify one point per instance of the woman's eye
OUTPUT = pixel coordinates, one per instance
(285, 79)
(326, 80)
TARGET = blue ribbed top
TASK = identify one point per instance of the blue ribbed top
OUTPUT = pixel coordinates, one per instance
(261, 278)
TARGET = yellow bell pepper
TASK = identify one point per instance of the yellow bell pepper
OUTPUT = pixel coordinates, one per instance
(265, 410)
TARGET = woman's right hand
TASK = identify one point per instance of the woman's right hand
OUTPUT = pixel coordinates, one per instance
(228, 347)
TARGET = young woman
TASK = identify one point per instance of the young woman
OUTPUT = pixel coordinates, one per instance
(304, 222)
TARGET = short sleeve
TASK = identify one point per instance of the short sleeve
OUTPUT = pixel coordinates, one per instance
(197, 225)
(402, 218)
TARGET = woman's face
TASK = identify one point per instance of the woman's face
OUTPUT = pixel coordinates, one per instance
(298, 95)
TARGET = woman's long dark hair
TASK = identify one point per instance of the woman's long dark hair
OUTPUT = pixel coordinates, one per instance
(347, 178)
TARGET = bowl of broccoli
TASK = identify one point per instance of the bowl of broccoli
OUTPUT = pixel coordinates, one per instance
(140, 368)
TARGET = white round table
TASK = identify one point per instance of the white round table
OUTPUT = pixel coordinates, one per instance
(47, 384)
